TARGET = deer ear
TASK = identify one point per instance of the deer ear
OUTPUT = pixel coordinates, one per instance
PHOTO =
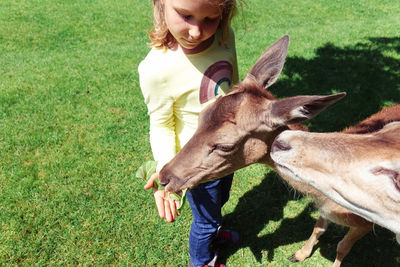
(300, 108)
(269, 66)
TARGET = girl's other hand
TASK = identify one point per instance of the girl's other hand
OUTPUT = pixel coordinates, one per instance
(167, 207)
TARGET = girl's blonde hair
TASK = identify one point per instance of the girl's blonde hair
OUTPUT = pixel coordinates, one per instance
(160, 36)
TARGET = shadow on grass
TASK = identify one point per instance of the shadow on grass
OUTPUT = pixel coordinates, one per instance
(265, 203)
(370, 74)
(256, 208)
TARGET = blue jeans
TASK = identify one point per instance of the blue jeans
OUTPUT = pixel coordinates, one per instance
(206, 201)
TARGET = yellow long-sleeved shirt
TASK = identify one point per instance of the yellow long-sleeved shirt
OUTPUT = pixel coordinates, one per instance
(177, 86)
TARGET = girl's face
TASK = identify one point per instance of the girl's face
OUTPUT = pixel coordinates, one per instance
(192, 22)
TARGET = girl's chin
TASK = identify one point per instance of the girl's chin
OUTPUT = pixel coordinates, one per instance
(189, 45)
(195, 47)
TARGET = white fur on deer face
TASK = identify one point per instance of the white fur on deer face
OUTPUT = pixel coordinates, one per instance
(358, 171)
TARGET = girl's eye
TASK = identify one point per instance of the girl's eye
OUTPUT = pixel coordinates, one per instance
(211, 20)
(186, 17)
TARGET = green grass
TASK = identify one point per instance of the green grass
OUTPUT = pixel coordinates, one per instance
(74, 129)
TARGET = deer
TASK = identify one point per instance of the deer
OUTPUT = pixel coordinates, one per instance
(238, 129)
(358, 168)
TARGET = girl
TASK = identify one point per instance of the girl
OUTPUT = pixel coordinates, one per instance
(192, 60)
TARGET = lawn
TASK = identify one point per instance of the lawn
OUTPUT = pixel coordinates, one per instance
(74, 129)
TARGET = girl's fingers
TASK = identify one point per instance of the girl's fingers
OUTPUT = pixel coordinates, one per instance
(150, 182)
(166, 206)
(178, 204)
(158, 196)
(172, 207)
(168, 215)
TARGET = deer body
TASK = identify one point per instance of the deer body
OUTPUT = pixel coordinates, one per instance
(359, 168)
(238, 130)
(330, 211)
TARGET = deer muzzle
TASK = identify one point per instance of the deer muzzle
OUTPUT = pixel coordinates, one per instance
(170, 181)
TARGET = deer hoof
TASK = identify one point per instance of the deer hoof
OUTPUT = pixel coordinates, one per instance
(293, 258)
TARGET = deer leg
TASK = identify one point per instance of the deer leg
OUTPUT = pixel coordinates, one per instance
(345, 245)
(305, 251)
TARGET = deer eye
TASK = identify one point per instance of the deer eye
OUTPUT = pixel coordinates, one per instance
(224, 148)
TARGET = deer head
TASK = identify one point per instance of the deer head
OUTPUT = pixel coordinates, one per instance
(237, 129)
(360, 172)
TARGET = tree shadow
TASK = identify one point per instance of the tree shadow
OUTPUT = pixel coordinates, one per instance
(369, 72)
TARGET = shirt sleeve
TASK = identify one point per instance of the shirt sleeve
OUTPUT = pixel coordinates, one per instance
(160, 109)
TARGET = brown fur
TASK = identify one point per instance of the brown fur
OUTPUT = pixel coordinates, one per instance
(376, 121)
(343, 146)
(238, 129)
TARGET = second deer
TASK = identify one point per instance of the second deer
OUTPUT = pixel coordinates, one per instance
(359, 168)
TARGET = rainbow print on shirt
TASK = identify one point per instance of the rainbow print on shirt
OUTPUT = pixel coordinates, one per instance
(217, 74)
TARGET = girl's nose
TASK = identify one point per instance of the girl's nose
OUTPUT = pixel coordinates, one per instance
(195, 31)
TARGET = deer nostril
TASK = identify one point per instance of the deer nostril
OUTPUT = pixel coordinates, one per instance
(164, 182)
(279, 145)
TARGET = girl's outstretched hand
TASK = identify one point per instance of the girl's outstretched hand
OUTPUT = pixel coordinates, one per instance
(166, 206)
